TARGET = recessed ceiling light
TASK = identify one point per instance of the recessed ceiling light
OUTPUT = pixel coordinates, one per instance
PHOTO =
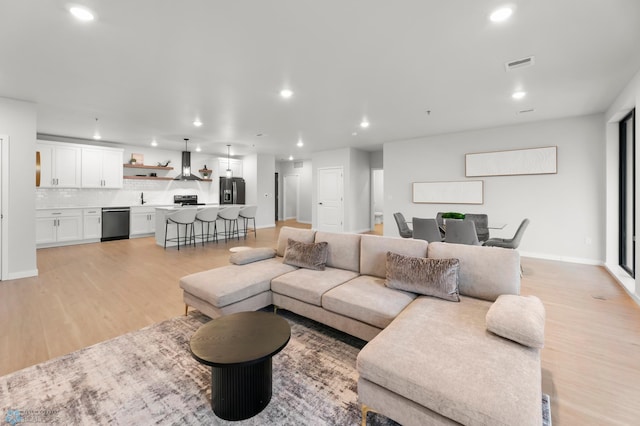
(501, 15)
(97, 136)
(364, 123)
(291, 158)
(300, 143)
(286, 93)
(354, 134)
(154, 143)
(81, 13)
(197, 122)
(519, 95)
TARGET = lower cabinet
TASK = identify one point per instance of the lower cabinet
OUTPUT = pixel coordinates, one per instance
(143, 221)
(92, 224)
(57, 227)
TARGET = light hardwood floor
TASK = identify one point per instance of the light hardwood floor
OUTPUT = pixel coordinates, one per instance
(89, 293)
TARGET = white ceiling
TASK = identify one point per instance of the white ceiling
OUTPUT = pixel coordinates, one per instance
(147, 68)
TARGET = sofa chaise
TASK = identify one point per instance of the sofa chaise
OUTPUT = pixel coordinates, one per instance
(427, 360)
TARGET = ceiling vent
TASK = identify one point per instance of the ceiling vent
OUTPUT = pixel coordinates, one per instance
(519, 63)
(525, 111)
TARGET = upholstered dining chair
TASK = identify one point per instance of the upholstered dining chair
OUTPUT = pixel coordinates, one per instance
(186, 217)
(511, 243)
(403, 228)
(481, 221)
(426, 229)
(461, 232)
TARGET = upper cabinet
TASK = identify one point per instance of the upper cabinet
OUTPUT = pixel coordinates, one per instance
(101, 168)
(59, 165)
(67, 165)
(234, 164)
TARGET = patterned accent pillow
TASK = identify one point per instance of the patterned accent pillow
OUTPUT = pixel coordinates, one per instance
(518, 318)
(430, 277)
(310, 256)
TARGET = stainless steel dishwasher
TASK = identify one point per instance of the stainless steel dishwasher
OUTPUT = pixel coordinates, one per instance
(115, 223)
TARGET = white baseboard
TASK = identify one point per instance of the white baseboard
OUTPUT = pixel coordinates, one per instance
(624, 280)
(562, 258)
(21, 274)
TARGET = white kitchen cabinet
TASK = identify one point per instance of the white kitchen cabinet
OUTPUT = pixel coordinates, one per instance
(59, 165)
(58, 227)
(143, 221)
(101, 168)
(234, 164)
(92, 224)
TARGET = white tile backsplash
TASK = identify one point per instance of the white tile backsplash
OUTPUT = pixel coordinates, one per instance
(155, 192)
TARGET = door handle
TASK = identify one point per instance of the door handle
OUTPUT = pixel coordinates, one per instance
(320, 203)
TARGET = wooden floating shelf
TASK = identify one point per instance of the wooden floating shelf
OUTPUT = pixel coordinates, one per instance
(159, 178)
(137, 166)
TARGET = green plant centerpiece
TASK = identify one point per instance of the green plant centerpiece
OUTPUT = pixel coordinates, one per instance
(453, 215)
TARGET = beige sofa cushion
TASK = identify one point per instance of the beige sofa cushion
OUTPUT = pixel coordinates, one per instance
(451, 364)
(344, 250)
(430, 277)
(308, 285)
(518, 318)
(367, 299)
(298, 234)
(233, 283)
(485, 272)
(373, 252)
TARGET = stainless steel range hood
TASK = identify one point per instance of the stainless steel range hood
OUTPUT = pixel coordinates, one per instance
(186, 165)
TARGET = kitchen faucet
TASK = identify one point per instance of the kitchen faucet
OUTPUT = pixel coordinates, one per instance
(142, 198)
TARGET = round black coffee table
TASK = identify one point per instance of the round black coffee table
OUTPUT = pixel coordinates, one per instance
(239, 348)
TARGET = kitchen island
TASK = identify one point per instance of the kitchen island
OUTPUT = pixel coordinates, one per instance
(161, 219)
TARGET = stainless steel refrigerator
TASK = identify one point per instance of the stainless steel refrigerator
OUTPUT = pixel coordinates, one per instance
(232, 190)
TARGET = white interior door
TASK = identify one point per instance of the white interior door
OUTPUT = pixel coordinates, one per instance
(290, 197)
(330, 199)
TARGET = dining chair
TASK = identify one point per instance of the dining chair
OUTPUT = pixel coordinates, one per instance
(403, 228)
(426, 229)
(461, 232)
(481, 221)
(208, 216)
(511, 243)
(186, 217)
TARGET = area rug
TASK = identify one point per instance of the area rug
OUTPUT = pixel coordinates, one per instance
(149, 377)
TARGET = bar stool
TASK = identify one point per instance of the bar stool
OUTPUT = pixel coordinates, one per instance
(208, 215)
(248, 213)
(230, 217)
(184, 217)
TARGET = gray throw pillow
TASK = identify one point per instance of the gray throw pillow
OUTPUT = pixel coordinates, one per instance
(430, 277)
(518, 318)
(255, 254)
(310, 256)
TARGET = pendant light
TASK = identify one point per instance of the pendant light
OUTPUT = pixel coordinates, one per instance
(96, 134)
(229, 172)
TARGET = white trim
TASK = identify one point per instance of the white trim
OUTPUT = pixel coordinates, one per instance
(623, 280)
(22, 274)
(4, 204)
(562, 258)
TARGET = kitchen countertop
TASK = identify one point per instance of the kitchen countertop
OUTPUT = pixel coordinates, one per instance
(115, 205)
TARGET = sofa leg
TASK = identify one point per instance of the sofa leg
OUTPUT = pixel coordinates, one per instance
(365, 410)
(186, 309)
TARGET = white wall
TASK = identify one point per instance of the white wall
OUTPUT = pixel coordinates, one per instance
(265, 177)
(567, 209)
(18, 121)
(625, 102)
(378, 190)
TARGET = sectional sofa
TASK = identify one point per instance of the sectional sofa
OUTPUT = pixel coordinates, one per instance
(473, 361)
